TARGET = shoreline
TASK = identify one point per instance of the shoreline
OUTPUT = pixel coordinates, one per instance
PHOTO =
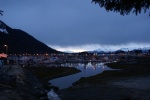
(32, 82)
(45, 74)
(19, 84)
(132, 82)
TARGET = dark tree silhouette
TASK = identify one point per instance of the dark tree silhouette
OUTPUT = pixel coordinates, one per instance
(124, 7)
(119, 51)
(1, 12)
(138, 51)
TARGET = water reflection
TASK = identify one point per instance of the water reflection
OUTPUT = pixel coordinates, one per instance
(87, 69)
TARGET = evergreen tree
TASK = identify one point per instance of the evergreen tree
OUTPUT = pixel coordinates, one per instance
(138, 51)
(124, 7)
(1, 12)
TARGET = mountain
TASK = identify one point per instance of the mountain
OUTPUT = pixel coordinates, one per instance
(20, 42)
(144, 50)
(125, 49)
(101, 51)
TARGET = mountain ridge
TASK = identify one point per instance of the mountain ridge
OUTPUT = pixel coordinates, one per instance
(144, 49)
(20, 42)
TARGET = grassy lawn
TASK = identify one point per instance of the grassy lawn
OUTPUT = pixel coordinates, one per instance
(121, 70)
(128, 66)
(47, 73)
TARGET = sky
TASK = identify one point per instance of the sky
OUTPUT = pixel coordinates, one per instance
(76, 25)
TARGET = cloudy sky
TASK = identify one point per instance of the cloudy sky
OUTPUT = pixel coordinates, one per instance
(76, 25)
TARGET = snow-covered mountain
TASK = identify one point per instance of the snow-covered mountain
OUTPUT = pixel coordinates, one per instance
(144, 49)
(126, 49)
(101, 51)
(130, 49)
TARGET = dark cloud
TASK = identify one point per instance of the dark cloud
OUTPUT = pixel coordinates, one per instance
(78, 22)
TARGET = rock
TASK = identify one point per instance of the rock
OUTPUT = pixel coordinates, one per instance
(20, 84)
(9, 95)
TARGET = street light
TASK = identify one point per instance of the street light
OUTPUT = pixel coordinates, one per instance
(6, 48)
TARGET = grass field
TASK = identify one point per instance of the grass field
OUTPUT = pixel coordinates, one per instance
(44, 74)
(121, 70)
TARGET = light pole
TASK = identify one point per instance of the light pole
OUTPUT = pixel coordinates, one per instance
(6, 48)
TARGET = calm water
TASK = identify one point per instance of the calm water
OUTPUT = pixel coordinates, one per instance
(88, 69)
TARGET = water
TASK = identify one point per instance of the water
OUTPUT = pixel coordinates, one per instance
(87, 69)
